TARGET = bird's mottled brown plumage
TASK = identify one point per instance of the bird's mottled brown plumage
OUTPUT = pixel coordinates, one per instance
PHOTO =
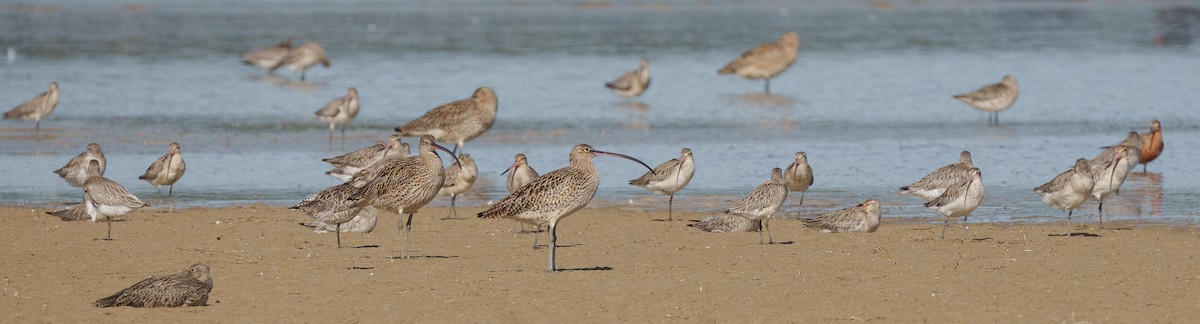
(460, 176)
(799, 175)
(767, 60)
(863, 218)
(994, 97)
(764, 201)
(302, 57)
(458, 121)
(726, 223)
(165, 171)
(340, 111)
(669, 177)
(188, 288)
(106, 198)
(403, 185)
(1109, 172)
(329, 206)
(519, 173)
(75, 172)
(632, 83)
(37, 108)
(364, 222)
(1069, 189)
(268, 57)
(346, 165)
(76, 212)
(935, 183)
(960, 199)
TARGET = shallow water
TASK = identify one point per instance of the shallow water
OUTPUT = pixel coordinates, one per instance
(868, 99)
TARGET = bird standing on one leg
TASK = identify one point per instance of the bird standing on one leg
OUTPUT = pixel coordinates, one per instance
(669, 177)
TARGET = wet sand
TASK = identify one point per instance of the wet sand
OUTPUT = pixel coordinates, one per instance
(620, 266)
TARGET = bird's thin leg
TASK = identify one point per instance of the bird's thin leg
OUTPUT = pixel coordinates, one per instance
(159, 195)
(37, 129)
(302, 74)
(400, 229)
(455, 151)
(1101, 214)
(453, 213)
(408, 232)
(109, 219)
(767, 87)
(670, 207)
(799, 212)
(171, 197)
(553, 245)
(343, 134)
(1069, 222)
(536, 237)
(944, 225)
(964, 228)
(768, 224)
(761, 228)
(338, 227)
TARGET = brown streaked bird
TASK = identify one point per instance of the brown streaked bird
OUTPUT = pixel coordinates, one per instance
(364, 222)
(75, 172)
(37, 108)
(1069, 189)
(76, 212)
(268, 57)
(302, 57)
(762, 203)
(460, 176)
(340, 111)
(188, 288)
(555, 195)
(1152, 144)
(458, 121)
(993, 98)
(766, 61)
(960, 200)
(404, 185)
(519, 175)
(165, 171)
(346, 165)
(935, 183)
(863, 218)
(799, 176)
(632, 83)
(1109, 171)
(329, 206)
(726, 223)
(669, 177)
(106, 198)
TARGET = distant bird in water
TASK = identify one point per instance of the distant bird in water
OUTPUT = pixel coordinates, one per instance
(346, 165)
(1152, 144)
(301, 58)
(106, 198)
(329, 206)
(669, 177)
(632, 83)
(993, 98)
(460, 176)
(765, 61)
(404, 185)
(863, 218)
(960, 199)
(1109, 171)
(37, 108)
(75, 172)
(762, 203)
(364, 222)
(340, 111)
(268, 57)
(726, 223)
(165, 171)
(555, 195)
(458, 121)
(799, 176)
(935, 183)
(519, 175)
(1069, 189)
(187, 288)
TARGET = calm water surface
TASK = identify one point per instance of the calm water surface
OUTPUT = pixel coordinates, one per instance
(868, 99)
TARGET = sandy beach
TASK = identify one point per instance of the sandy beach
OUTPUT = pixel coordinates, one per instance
(619, 265)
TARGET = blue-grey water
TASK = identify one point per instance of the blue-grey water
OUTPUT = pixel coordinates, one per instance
(868, 99)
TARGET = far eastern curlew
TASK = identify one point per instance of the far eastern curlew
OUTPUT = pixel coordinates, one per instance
(993, 98)
(669, 177)
(301, 58)
(75, 172)
(106, 198)
(340, 111)
(799, 176)
(762, 203)
(766, 61)
(633, 83)
(460, 176)
(458, 121)
(935, 183)
(863, 218)
(188, 288)
(268, 57)
(37, 108)
(555, 195)
(1069, 189)
(960, 199)
(165, 171)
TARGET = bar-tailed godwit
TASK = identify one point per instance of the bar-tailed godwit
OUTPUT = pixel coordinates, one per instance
(346, 165)
(762, 203)
(76, 212)
(1069, 189)
(1152, 144)
(993, 98)
(107, 198)
(460, 176)
(632, 83)
(1109, 171)
(935, 183)
(555, 195)
(301, 58)
(519, 173)
(726, 223)
(863, 218)
(669, 177)
(766, 61)
(269, 56)
(364, 222)
(458, 121)
(165, 171)
(37, 108)
(799, 176)
(75, 172)
(340, 111)
(187, 288)
(329, 206)
(960, 200)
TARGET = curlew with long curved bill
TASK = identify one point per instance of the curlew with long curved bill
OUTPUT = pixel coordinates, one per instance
(766, 61)
(345, 166)
(37, 108)
(993, 98)
(268, 57)
(75, 172)
(1109, 171)
(762, 203)
(340, 111)
(633, 83)
(404, 185)
(863, 218)
(799, 176)
(460, 176)
(165, 171)
(1069, 189)
(301, 58)
(1152, 144)
(669, 177)
(458, 121)
(960, 200)
(329, 206)
(555, 195)
(187, 288)
(935, 183)
(106, 198)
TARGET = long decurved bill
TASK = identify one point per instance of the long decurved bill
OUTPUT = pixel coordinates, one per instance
(439, 147)
(623, 156)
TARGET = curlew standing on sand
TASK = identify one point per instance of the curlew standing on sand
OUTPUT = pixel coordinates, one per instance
(669, 177)
(346, 165)
(935, 183)
(329, 206)
(460, 176)
(268, 57)
(863, 218)
(364, 222)
(960, 200)
(763, 202)
(799, 176)
(165, 171)
(458, 121)
(404, 185)
(1109, 171)
(106, 198)
(1069, 189)
(301, 58)
(75, 172)
(767, 60)
(726, 223)
(1152, 144)
(555, 195)
(37, 108)
(993, 98)
(632, 83)
(187, 288)
(340, 111)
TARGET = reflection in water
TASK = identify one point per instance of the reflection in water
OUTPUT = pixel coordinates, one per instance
(1175, 26)
(767, 100)
(1144, 190)
(635, 115)
(285, 82)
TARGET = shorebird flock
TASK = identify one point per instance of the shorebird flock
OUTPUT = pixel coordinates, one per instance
(386, 176)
